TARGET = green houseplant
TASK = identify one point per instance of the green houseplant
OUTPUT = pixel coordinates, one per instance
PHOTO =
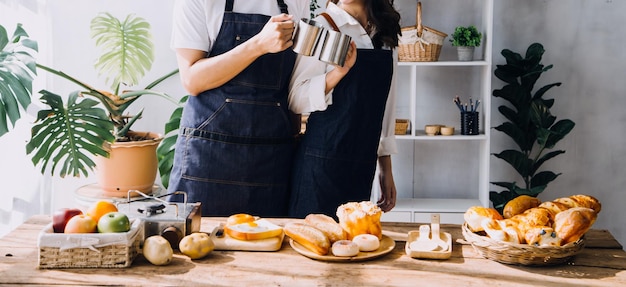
(466, 39)
(530, 124)
(91, 120)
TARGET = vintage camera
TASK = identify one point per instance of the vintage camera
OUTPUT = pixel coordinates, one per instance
(172, 220)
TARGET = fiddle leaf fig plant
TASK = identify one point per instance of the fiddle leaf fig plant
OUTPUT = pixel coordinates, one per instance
(67, 133)
(530, 124)
(17, 71)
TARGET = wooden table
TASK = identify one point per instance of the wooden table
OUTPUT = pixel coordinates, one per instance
(601, 263)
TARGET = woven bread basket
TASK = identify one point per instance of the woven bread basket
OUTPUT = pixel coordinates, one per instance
(420, 43)
(521, 254)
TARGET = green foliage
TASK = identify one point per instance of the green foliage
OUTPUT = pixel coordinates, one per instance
(312, 7)
(530, 124)
(17, 69)
(165, 151)
(466, 37)
(67, 133)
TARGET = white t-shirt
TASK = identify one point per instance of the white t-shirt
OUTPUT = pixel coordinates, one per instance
(196, 23)
(308, 83)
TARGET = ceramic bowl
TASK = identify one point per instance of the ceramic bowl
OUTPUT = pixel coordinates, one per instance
(447, 131)
(432, 130)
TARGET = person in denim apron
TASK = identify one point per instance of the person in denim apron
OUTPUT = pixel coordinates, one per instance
(235, 145)
(336, 160)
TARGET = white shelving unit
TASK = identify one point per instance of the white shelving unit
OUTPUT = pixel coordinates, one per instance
(444, 174)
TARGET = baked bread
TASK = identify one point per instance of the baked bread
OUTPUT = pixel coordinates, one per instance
(553, 208)
(475, 215)
(326, 224)
(502, 230)
(588, 201)
(255, 230)
(239, 218)
(345, 248)
(542, 236)
(360, 218)
(519, 204)
(571, 224)
(308, 236)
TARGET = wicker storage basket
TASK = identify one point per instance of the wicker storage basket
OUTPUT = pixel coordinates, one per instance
(420, 43)
(89, 250)
(521, 254)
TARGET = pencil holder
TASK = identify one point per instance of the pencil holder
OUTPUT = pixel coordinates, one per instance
(469, 123)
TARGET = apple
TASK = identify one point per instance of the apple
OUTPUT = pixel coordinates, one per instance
(62, 216)
(113, 222)
(81, 223)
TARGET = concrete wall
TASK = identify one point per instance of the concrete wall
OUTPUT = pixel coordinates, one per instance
(582, 40)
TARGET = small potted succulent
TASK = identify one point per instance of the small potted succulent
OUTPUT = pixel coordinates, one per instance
(466, 39)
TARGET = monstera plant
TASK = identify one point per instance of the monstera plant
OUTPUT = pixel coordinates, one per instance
(530, 124)
(17, 71)
(69, 131)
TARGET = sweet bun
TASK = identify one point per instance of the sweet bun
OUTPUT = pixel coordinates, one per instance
(239, 218)
(502, 230)
(542, 236)
(475, 215)
(571, 224)
(308, 236)
(519, 204)
(588, 201)
(360, 218)
(345, 248)
(326, 224)
(553, 207)
(366, 242)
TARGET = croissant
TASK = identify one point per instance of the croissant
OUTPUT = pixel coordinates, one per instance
(571, 224)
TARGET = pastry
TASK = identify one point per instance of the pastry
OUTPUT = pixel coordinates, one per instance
(366, 242)
(345, 248)
(475, 215)
(519, 204)
(360, 218)
(571, 224)
(326, 224)
(542, 236)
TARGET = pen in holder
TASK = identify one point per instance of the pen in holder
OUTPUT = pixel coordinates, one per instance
(469, 123)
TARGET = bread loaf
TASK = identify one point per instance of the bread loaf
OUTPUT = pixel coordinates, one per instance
(519, 204)
(475, 215)
(571, 224)
(326, 224)
(502, 230)
(308, 236)
(360, 218)
(542, 236)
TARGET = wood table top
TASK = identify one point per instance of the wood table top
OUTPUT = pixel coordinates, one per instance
(601, 263)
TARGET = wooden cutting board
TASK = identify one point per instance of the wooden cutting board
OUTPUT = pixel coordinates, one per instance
(228, 243)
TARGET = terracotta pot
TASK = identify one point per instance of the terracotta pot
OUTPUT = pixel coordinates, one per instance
(130, 166)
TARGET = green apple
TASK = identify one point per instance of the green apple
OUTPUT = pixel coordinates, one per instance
(113, 222)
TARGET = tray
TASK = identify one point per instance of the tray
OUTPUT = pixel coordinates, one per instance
(439, 254)
(386, 245)
(228, 243)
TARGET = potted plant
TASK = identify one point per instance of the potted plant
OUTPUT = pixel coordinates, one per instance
(530, 124)
(95, 122)
(465, 39)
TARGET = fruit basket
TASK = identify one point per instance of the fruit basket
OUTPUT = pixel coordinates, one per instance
(521, 254)
(89, 250)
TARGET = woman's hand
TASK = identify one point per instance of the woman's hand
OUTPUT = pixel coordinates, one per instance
(276, 35)
(387, 200)
(350, 60)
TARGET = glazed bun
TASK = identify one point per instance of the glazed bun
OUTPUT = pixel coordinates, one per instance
(571, 224)
(542, 236)
(239, 218)
(326, 224)
(519, 204)
(366, 242)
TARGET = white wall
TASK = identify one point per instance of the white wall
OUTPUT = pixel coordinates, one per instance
(582, 40)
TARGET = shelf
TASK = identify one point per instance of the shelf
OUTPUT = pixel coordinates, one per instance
(451, 210)
(479, 137)
(446, 63)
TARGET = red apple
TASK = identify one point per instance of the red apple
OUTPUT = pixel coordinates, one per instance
(62, 216)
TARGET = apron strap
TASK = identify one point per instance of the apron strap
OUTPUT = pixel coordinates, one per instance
(282, 6)
(229, 5)
(330, 21)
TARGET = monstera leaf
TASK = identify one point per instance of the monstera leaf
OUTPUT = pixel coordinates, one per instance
(86, 129)
(17, 67)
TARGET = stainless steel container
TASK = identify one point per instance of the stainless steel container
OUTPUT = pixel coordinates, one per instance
(335, 48)
(307, 36)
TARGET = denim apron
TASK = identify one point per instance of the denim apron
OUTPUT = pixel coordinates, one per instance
(336, 160)
(235, 144)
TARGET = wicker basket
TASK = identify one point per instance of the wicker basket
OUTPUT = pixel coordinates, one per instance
(89, 250)
(420, 43)
(521, 254)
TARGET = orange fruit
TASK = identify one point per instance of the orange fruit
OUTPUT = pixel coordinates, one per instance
(100, 208)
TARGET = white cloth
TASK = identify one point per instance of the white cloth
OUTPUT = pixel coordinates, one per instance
(196, 23)
(308, 82)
